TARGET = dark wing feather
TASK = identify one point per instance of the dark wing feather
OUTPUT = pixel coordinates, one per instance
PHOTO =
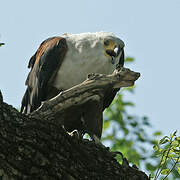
(44, 65)
(110, 94)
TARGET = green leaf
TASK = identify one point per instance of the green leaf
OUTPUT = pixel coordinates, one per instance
(178, 139)
(1, 44)
(155, 147)
(174, 134)
(164, 140)
(128, 104)
(150, 167)
(178, 168)
(177, 160)
(165, 171)
(157, 133)
(106, 125)
(129, 59)
(176, 151)
(109, 137)
(133, 124)
(146, 121)
(151, 177)
(171, 155)
(175, 143)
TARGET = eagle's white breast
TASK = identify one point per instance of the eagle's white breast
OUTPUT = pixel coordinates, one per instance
(85, 55)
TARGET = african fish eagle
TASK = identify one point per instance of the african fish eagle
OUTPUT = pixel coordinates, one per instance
(64, 61)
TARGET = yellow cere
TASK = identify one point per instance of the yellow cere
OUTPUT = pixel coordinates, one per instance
(109, 45)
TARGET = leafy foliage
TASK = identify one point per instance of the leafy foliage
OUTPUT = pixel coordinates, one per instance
(168, 149)
(127, 133)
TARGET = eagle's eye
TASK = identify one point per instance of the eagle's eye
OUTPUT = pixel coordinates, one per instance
(106, 42)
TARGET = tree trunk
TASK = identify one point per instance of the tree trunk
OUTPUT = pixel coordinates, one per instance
(36, 146)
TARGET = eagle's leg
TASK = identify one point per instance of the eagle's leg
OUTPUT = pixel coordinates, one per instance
(93, 119)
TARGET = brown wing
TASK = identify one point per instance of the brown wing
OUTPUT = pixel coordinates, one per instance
(110, 94)
(44, 65)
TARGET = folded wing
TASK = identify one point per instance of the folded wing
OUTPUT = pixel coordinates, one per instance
(44, 65)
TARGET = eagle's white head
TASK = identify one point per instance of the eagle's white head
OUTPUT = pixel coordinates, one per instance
(113, 46)
(104, 45)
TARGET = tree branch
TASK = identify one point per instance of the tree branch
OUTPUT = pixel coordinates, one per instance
(93, 88)
(37, 147)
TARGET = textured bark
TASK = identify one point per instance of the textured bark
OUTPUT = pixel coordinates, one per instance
(37, 147)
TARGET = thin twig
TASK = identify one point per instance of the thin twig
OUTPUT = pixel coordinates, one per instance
(160, 167)
(171, 168)
(157, 172)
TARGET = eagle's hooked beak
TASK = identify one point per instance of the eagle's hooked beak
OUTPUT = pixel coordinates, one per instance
(114, 53)
(117, 50)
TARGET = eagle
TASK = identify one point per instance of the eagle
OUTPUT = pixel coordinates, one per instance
(64, 61)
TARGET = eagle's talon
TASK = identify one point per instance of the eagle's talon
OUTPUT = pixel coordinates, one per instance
(75, 133)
